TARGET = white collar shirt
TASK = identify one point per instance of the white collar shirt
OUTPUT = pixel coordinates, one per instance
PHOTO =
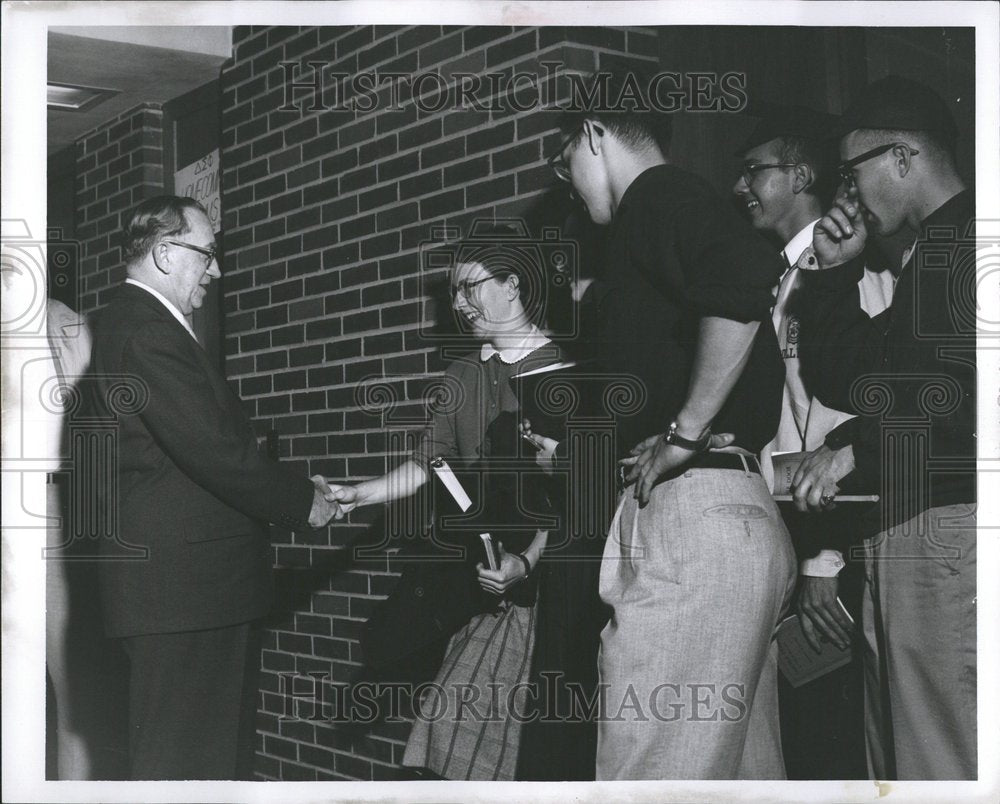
(163, 300)
(535, 339)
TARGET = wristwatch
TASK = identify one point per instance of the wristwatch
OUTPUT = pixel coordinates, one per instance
(677, 440)
(839, 437)
(527, 565)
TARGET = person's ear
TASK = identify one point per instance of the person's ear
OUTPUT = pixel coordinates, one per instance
(513, 283)
(903, 156)
(594, 132)
(802, 178)
(161, 257)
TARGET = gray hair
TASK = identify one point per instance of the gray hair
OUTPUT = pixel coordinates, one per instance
(154, 219)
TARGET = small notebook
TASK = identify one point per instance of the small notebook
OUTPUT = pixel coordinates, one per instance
(797, 660)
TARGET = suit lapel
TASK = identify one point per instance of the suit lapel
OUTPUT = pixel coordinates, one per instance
(224, 395)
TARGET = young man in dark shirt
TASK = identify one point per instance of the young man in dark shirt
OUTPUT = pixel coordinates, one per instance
(911, 374)
(698, 565)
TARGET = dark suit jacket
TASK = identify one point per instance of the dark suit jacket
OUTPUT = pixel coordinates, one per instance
(192, 488)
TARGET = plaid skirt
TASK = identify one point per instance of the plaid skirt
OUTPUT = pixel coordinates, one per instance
(463, 727)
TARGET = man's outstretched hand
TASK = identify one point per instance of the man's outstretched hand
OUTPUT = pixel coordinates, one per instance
(346, 497)
(327, 502)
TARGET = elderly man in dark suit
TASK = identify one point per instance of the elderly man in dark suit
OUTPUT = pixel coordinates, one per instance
(194, 496)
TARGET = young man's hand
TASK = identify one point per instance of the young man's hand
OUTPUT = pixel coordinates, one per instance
(840, 235)
(820, 614)
(653, 458)
(814, 484)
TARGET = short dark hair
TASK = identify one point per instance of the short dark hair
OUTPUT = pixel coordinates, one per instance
(504, 251)
(155, 218)
(821, 156)
(619, 100)
(492, 248)
(899, 104)
(933, 143)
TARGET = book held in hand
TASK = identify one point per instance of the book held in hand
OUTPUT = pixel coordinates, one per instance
(786, 464)
(492, 554)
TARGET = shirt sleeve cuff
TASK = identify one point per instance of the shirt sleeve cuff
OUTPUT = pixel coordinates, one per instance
(835, 279)
(826, 564)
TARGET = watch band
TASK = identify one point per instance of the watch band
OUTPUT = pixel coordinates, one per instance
(527, 565)
(699, 445)
(835, 440)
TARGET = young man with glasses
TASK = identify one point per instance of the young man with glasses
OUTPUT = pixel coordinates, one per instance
(910, 372)
(787, 180)
(187, 575)
(698, 565)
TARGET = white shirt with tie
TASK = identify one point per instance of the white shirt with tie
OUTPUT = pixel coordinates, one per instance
(805, 420)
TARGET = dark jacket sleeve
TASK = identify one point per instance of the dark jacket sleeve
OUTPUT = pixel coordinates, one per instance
(839, 342)
(216, 449)
(865, 435)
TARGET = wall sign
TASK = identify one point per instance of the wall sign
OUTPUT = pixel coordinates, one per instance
(200, 181)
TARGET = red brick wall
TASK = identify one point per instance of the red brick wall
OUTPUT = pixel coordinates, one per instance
(324, 212)
(117, 166)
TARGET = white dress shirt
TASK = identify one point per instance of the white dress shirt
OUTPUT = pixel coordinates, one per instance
(805, 420)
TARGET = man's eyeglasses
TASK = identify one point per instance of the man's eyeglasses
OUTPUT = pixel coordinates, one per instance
(555, 160)
(751, 169)
(465, 287)
(210, 254)
(846, 169)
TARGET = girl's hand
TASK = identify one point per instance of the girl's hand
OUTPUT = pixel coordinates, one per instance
(498, 581)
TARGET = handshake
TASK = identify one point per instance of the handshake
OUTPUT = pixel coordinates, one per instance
(330, 501)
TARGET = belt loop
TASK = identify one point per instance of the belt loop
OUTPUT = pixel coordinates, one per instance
(746, 466)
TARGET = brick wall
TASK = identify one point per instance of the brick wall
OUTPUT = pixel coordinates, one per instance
(118, 164)
(324, 212)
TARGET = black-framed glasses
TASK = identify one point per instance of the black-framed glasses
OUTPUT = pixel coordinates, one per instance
(846, 169)
(465, 287)
(210, 254)
(555, 160)
(751, 169)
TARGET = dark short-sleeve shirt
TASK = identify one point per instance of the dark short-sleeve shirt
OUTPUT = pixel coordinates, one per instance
(678, 253)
